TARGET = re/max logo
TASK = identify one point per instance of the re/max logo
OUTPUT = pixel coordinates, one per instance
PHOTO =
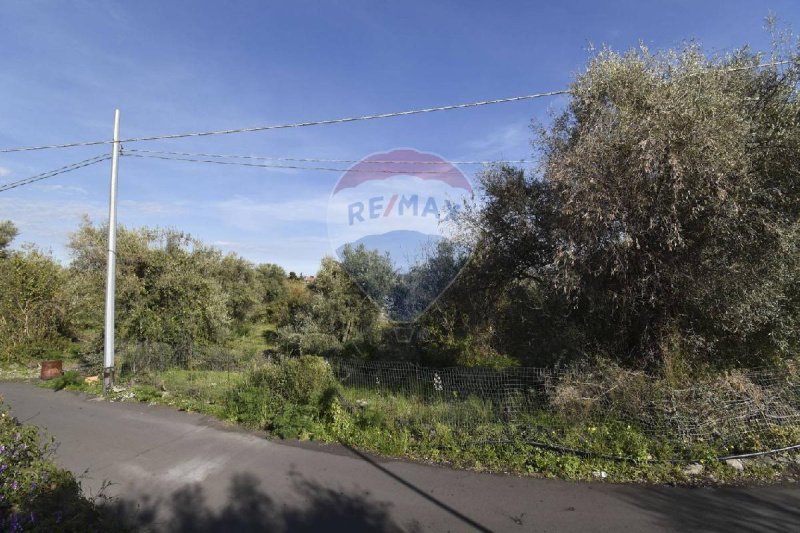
(377, 207)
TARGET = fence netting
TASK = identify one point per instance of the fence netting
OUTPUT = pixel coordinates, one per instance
(535, 402)
(742, 409)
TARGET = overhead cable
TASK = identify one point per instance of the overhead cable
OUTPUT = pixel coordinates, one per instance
(281, 167)
(316, 160)
(336, 120)
(295, 124)
(54, 172)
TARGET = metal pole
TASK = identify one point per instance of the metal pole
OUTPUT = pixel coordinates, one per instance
(108, 352)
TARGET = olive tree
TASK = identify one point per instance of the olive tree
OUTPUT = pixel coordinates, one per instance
(665, 210)
(34, 309)
(168, 289)
(8, 232)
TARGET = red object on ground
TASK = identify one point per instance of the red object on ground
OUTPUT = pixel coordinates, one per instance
(51, 369)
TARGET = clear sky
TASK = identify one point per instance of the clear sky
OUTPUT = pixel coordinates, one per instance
(197, 65)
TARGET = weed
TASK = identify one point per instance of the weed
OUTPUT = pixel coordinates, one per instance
(146, 393)
(70, 378)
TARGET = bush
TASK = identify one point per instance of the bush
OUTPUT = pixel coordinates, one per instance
(270, 393)
(305, 338)
(34, 307)
(301, 380)
(41, 349)
(649, 217)
(68, 378)
(34, 493)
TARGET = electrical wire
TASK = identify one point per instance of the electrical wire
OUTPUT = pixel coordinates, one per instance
(354, 119)
(336, 120)
(296, 124)
(54, 172)
(282, 167)
(316, 160)
(171, 156)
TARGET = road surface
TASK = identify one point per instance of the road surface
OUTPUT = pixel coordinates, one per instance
(175, 471)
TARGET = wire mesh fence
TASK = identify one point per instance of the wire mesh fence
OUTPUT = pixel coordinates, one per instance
(740, 409)
(536, 402)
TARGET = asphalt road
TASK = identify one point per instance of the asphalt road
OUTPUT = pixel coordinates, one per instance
(175, 471)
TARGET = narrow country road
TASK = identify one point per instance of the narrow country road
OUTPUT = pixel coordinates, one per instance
(173, 471)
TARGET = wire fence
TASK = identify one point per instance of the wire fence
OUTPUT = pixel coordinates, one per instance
(725, 408)
(742, 410)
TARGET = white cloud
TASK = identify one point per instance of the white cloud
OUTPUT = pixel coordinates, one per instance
(49, 218)
(61, 188)
(135, 207)
(512, 140)
(247, 214)
(227, 244)
(48, 223)
(4, 172)
(301, 254)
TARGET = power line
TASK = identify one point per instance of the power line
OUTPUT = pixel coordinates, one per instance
(294, 124)
(316, 160)
(336, 120)
(154, 155)
(262, 165)
(54, 172)
(354, 119)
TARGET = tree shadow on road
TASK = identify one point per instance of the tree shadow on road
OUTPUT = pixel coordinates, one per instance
(472, 524)
(249, 508)
(721, 509)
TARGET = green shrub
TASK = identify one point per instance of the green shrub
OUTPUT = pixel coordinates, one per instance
(263, 396)
(371, 417)
(69, 378)
(294, 421)
(301, 380)
(34, 306)
(34, 493)
(146, 393)
(40, 349)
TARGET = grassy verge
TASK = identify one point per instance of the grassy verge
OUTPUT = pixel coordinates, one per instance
(18, 372)
(398, 426)
(298, 398)
(202, 391)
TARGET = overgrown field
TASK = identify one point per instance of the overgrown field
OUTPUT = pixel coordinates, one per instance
(302, 398)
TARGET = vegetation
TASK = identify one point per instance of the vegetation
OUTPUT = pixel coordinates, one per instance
(660, 234)
(665, 169)
(35, 494)
(299, 398)
(34, 320)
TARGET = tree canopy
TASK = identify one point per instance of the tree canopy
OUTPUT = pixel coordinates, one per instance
(660, 225)
(665, 211)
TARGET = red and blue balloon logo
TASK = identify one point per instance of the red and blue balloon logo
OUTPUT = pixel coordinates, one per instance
(401, 209)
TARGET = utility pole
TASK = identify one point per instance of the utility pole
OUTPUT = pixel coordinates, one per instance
(108, 351)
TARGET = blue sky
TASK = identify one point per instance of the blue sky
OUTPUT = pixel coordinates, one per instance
(185, 66)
